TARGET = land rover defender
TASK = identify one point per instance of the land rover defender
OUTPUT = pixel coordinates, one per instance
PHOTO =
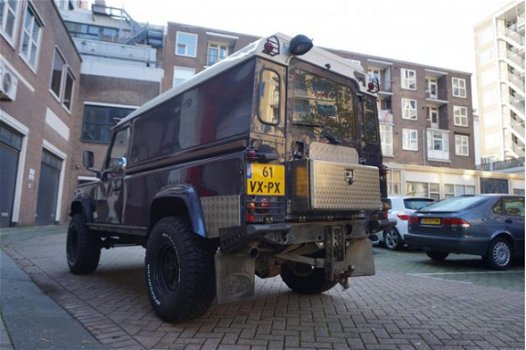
(267, 163)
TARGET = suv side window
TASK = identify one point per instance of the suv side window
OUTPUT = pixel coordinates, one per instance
(118, 154)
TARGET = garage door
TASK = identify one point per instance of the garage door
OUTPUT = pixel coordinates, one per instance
(48, 189)
(10, 146)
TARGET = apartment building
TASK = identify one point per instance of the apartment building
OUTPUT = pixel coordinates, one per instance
(121, 69)
(190, 49)
(39, 93)
(499, 52)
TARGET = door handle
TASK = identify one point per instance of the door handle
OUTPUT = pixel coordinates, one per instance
(508, 221)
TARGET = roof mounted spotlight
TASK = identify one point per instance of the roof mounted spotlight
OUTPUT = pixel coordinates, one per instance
(300, 45)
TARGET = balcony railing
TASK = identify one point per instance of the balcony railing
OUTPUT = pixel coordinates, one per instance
(385, 116)
(501, 164)
(517, 103)
(130, 53)
(517, 80)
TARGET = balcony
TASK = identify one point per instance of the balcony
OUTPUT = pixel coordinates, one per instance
(133, 54)
(385, 116)
(502, 164)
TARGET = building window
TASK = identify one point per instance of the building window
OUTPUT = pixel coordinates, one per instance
(186, 44)
(98, 120)
(216, 52)
(461, 116)
(386, 136)
(432, 116)
(432, 88)
(31, 37)
(459, 87)
(409, 109)
(462, 145)
(410, 139)
(56, 75)
(394, 183)
(8, 14)
(62, 80)
(423, 189)
(375, 73)
(181, 74)
(68, 90)
(453, 190)
(408, 79)
(87, 31)
(437, 144)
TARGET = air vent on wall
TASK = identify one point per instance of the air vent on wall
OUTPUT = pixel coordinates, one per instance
(8, 83)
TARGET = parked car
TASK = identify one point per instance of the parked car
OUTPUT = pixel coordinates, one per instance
(491, 226)
(400, 208)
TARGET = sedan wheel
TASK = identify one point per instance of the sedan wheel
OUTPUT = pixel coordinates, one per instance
(392, 239)
(499, 254)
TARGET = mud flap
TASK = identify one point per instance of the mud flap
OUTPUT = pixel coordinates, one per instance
(235, 275)
(359, 254)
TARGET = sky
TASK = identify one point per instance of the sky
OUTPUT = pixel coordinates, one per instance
(431, 32)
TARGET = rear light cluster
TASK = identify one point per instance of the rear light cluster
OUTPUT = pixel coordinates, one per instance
(403, 216)
(453, 222)
(260, 209)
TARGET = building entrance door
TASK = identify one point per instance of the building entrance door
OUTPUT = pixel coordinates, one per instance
(48, 186)
(10, 146)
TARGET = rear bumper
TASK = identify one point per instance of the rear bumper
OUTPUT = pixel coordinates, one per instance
(462, 245)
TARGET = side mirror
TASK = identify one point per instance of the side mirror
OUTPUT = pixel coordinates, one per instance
(88, 160)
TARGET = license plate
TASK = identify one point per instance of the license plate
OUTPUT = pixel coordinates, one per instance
(430, 221)
(265, 179)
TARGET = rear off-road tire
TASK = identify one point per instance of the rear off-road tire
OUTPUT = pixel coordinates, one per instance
(179, 271)
(305, 279)
(82, 247)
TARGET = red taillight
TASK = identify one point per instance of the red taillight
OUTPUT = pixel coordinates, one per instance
(251, 154)
(455, 222)
(403, 216)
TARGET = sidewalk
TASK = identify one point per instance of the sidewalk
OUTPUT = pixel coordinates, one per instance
(30, 318)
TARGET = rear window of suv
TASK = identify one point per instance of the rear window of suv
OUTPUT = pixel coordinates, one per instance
(417, 203)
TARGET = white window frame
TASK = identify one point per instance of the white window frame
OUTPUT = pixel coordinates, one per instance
(11, 39)
(438, 144)
(376, 73)
(462, 145)
(394, 182)
(408, 79)
(460, 114)
(36, 20)
(409, 109)
(459, 87)
(182, 79)
(410, 139)
(220, 47)
(432, 88)
(386, 137)
(187, 48)
(432, 116)
(65, 73)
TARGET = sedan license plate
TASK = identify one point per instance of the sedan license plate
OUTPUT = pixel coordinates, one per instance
(430, 221)
(265, 179)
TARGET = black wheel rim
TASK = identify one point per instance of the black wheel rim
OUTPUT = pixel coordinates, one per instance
(168, 274)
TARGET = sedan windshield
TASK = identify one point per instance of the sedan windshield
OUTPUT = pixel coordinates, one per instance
(453, 204)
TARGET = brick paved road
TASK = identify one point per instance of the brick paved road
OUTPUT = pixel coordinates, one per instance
(392, 310)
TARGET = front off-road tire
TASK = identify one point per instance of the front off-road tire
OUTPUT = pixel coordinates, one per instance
(82, 247)
(179, 271)
(305, 279)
